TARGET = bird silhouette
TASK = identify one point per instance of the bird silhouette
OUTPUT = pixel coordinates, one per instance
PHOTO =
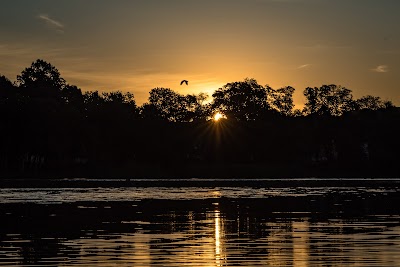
(184, 81)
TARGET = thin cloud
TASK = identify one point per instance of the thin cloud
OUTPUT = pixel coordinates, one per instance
(381, 69)
(304, 66)
(52, 22)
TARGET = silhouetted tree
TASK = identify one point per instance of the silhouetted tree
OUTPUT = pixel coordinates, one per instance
(281, 99)
(196, 108)
(331, 100)
(244, 101)
(6, 88)
(120, 104)
(149, 112)
(165, 104)
(72, 95)
(372, 103)
(41, 79)
(93, 97)
(117, 97)
(93, 102)
(389, 104)
(50, 125)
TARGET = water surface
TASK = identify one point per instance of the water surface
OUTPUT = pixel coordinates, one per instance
(208, 226)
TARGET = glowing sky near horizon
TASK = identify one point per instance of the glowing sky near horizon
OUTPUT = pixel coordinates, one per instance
(135, 45)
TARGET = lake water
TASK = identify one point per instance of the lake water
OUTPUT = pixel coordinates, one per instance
(207, 226)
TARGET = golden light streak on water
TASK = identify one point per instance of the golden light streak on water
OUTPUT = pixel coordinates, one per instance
(141, 249)
(217, 238)
(280, 227)
(300, 238)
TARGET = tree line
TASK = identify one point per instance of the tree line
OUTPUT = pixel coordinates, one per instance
(50, 126)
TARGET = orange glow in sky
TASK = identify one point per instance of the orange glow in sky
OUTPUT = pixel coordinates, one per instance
(139, 45)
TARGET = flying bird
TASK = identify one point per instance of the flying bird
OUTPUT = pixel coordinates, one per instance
(184, 81)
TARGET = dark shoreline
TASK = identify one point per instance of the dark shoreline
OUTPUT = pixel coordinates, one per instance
(285, 182)
(272, 170)
(207, 175)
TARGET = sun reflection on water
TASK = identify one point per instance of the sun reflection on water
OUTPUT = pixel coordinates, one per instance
(210, 229)
(219, 256)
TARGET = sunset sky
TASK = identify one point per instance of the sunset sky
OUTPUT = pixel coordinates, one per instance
(136, 45)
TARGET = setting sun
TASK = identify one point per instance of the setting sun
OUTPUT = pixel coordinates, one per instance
(218, 116)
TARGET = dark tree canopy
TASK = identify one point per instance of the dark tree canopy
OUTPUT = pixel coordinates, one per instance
(196, 108)
(371, 103)
(281, 99)
(330, 100)
(49, 125)
(72, 95)
(110, 105)
(41, 79)
(118, 97)
(243, 101)
(6, 87)
(41, 72)
(166, 104)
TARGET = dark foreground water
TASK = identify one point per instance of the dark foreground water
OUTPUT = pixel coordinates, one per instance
(208, 226)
